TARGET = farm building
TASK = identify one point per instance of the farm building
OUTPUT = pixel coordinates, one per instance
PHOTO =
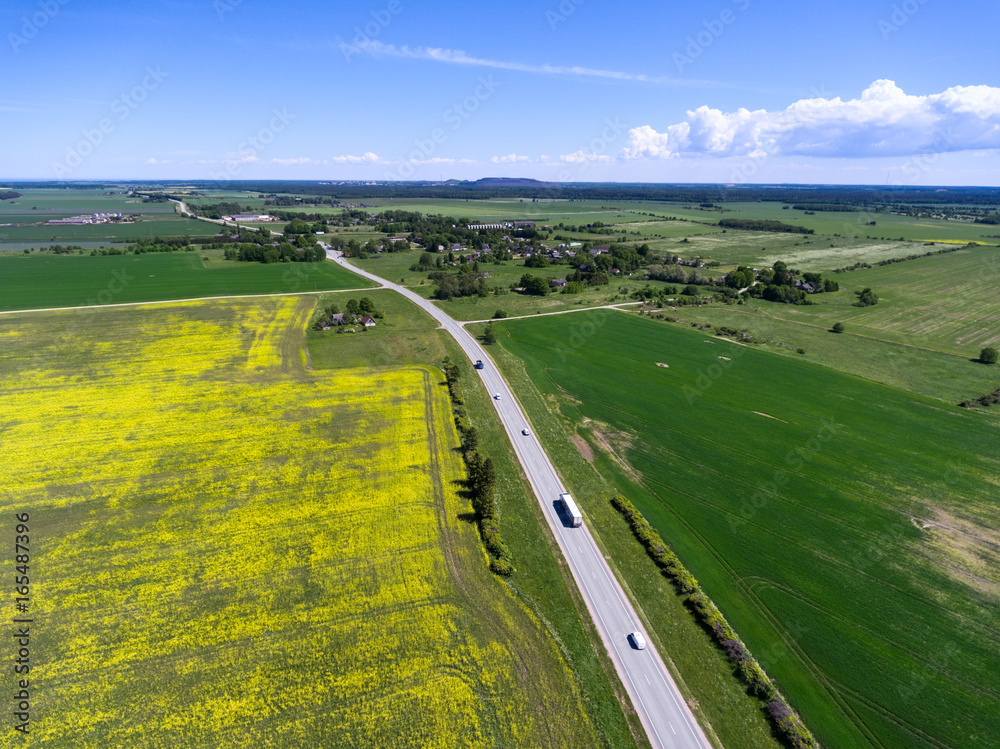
(93, 218)
(246, 217)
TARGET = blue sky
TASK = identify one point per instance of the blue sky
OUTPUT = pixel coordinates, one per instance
(724, 91)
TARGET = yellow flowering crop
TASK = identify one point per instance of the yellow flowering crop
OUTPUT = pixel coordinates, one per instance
(231, 551)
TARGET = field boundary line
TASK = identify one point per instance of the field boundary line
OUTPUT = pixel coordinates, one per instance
(178, 301)
(557, 312)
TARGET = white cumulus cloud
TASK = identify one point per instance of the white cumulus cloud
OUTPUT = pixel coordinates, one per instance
(511, 158)
(885, 121)
(288, 162)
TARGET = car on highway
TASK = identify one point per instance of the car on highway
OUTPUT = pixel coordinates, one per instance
(638, 641)
(526, 432)
(496, 396)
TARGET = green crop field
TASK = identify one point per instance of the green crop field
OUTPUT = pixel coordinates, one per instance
(836, 522)
(72, 202)
(227, 549)
(39, 281)
(23, 221)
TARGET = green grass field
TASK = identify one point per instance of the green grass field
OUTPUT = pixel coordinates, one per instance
(228, 549)
(855, 224)
(39, 281)
(946, 377)
(945, 302)
(855, 526)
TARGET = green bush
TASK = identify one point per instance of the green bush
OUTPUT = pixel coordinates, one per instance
(501, 567)
(788, 725)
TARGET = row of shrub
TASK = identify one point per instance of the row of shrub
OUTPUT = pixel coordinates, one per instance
(890, 261)
(481, 479)
(990, 399)
(788, 724)
(763, 224)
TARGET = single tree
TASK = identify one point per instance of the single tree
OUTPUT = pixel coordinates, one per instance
(489, 335)
(838, 327)
(988, 355)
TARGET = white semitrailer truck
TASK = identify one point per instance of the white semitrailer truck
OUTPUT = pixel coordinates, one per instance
(575, 516)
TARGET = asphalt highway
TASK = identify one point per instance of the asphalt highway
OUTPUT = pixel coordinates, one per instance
(657, 700)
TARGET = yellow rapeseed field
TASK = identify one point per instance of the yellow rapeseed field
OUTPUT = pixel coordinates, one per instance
(231, 551)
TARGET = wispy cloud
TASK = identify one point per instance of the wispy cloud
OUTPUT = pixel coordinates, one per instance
(18, 108)
(582, 156)
(460, 57)
(367, 158)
